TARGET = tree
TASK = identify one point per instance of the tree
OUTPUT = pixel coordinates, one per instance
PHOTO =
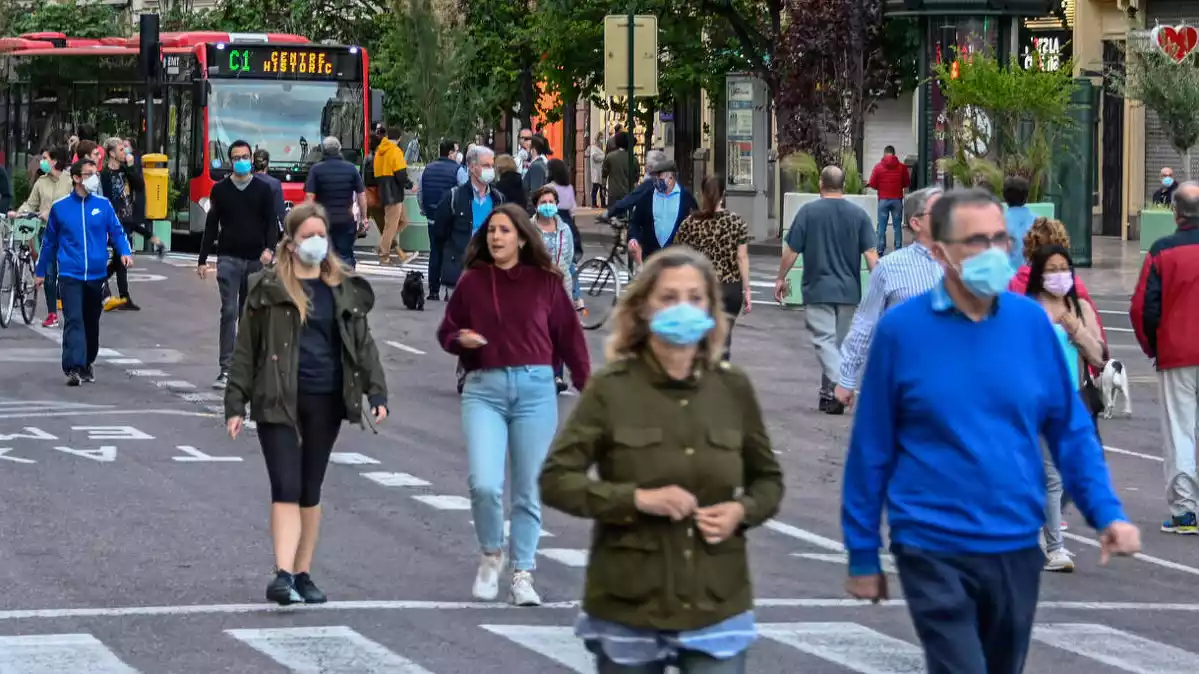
(76, 18)
(353, 22)
(1167, 87)
(502, 34)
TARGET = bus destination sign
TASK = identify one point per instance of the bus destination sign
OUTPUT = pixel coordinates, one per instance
(296, 63)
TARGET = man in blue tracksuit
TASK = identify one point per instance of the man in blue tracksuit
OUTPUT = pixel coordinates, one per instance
(79, 229)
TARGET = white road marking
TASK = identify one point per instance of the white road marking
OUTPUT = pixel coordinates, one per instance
(567, 556)
(1117, 648)
(196, 456)
(59, 653)
(444, 502)
(508, 530)
(105, 454)
(326, 650)
(103, 412)
(202, 397)
(1117, 450)
(405, 347)
(1107, 329)
(888, 563)
(395, 479)
(351, 459)
(52, 334)
(147, 373)
(177, 384)
(1164, 563)
(124, 361)
(113, 433)
(555, 643)
(15, 459)
(854, 647)
(804, 535)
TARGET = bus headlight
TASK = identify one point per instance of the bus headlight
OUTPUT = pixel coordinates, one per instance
(204, 203)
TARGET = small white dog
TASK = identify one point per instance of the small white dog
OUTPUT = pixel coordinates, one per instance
(1113, 383)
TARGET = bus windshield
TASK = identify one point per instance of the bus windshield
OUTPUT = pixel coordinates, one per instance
(287, 119)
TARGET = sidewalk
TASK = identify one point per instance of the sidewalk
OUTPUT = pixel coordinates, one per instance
(595, 232)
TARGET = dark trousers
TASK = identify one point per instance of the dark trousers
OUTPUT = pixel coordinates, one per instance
(81, 308)
(734, 302)
(973, 613)
(232, 281)
(122, 274)
(436, 250)
(51, 288)
(296, 459)
(597, 194)
(343, 237)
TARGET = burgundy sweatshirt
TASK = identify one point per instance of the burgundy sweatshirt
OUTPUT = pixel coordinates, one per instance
(525, 316)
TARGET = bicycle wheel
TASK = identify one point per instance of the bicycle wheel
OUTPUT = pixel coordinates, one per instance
(597, 278)
(8, 289)
(28, 290)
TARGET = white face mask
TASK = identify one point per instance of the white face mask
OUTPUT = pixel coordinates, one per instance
(92, 184)
(487, 175)
(313, 250)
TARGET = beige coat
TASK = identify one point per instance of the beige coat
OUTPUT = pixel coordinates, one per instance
(47, 190)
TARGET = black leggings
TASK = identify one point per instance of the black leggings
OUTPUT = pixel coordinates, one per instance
(296, 462)
(734, 302)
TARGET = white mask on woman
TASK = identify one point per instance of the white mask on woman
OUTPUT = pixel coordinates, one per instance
(313, 250)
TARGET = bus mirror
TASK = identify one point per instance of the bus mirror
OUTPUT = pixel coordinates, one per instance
(200, 92)
(376, 106)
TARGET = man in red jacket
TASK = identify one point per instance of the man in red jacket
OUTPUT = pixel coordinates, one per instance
(889, 178)
(1165, 316)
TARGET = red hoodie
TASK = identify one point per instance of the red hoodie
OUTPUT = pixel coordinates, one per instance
(1019, 285)
(889, 178)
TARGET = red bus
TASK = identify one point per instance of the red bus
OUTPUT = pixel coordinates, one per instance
(279, 92)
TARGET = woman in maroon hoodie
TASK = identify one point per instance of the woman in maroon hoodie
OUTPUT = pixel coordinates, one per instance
(506, 320)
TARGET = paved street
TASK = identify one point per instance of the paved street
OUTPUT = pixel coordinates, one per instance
(133, 533)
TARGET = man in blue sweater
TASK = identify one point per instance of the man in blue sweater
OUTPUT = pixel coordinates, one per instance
(952, 445)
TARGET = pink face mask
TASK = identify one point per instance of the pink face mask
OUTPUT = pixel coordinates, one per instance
(1059, 282)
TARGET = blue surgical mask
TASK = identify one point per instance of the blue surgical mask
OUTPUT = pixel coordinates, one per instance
(547, 210)
(661, 185)
(313, 250)
(683, 324)
(1167, 181)
(988, 273)
(242, 167)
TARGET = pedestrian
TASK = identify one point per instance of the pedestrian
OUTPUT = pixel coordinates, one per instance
(5, 190)
(657, 215)
(54, 184)
(951, 443)
(120, 183)
(889, 178)
(1018, 216)
(654, 161)
(537, 169)
(522, 150)
(508, 318)
(722, 237)
(262, 165)
(391, 172)
(559, 176)
(305, 359)
(907, 273)
(1052, 284)
(79, 229)
(619, 171)
(1164, 309)
(668, 580)
(242, 227)
(595, 163)
(559, 245)
(509, 181)
(337, 185)
(1164, 195)
(436, 181)
(833, 235)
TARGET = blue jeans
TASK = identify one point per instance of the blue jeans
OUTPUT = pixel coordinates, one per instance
(81, 309)
(343, 237)
(574, 275)
(894, 209)
(508, 411)
(973, 613)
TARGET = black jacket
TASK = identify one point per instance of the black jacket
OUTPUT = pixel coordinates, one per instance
(453, 224)
(512, 186)
(5, 191)
(136, 183)
(641, 225)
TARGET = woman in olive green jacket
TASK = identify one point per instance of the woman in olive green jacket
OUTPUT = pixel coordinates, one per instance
(685, 467)
(304, 360)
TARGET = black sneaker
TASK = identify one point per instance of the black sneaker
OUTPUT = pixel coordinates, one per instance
(160, 250)
(434, 296)
(87, 375)
(308, 589)
(560, 384)
(222, 382)
(834, 407)
(282, 590)
(73, 378)
(128, 306)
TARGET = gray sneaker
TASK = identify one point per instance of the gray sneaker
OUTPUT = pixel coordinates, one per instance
(523, 593)
(221, 382)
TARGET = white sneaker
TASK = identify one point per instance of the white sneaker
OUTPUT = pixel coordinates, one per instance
(487, 579)
(523, 593)
(1059, 562)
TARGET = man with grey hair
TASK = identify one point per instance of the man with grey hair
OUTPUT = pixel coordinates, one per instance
(900, 276)
(832, 235)
(654, 161)
(337, 185)
(1168, 336)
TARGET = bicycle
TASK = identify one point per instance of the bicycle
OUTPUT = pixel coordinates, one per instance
(617, 268)
(17, 284)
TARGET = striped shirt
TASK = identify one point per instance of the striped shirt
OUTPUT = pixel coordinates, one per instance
(630, 647)
(898, 277)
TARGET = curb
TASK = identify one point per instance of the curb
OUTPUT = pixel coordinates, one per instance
(767, 247)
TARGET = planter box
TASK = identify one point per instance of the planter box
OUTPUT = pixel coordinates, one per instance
(1154, 225)
(161, 229)
(792, 202)
(414, 237)
(1043, 209)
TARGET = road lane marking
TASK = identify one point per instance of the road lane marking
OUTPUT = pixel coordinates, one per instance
(15, 459)
(849, 645)
(888, 563)
(351, 459)
(444, 502)
(195, 456)
(804, 535)
(104, 412)
(124, 361)
(395, 479)
(568, 556)
(147, 373)
(176, 384)
(202, 397)
(1107, 329)
(53, 653)
(552, 642)
(1117, 648)
(405, 347)
(52, 334)
(1125, 452)
(1164, 563)
(326, 650)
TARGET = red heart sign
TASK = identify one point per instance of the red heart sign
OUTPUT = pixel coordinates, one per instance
(1177, 43)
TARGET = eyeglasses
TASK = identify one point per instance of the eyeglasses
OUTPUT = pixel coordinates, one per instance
(1000, 240)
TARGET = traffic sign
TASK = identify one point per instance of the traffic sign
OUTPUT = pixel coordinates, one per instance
(643, 54)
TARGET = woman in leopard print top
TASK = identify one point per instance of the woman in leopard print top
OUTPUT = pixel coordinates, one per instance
(723, 238)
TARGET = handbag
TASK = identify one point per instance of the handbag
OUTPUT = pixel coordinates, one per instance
(372, 197)
(1091, 394)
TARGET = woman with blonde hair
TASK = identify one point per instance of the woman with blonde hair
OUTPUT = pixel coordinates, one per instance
(683, 467)
(508, 180)
(304, 360)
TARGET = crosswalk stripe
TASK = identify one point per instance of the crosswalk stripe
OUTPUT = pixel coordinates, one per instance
(59, 653)
(854, 647)
(555, 643)
(325, 650)
(1117, 648)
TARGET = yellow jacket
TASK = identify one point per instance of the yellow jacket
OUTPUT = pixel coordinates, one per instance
(389, 159)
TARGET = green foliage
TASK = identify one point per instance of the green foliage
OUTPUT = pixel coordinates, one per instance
(1010, 116)
(20, 187)
(804, 172)
(76, 18)
(1169, 89)
(501, 32)
(352, 22)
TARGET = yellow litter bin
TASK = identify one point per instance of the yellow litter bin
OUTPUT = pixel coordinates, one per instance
(157, 175)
